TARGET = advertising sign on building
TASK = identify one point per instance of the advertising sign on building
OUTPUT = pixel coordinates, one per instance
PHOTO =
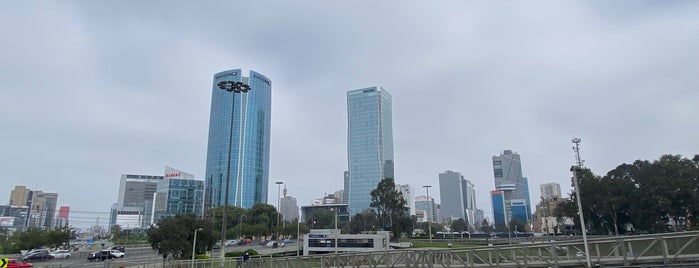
(7, 221)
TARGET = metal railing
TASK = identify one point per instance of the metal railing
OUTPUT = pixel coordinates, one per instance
(660, 249)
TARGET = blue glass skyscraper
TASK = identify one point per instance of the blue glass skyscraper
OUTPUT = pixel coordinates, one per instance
(369, 144)
(247, 115)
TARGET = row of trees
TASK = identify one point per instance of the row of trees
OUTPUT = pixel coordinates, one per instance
(173, 237)
(35, 238)
(642, 197)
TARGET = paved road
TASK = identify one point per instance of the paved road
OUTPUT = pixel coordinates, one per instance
(144, 255)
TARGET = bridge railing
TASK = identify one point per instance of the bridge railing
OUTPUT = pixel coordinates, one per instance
(670, 248)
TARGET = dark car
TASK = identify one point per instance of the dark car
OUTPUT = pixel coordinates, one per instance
(100, 255)
(119, 248)
(37, 256)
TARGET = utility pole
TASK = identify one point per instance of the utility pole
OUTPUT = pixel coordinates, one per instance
(575, 170)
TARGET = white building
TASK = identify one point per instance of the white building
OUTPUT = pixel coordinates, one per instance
(550, 191)
(320, 241)
(408, 196)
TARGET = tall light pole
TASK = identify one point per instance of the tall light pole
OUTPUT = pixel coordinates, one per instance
(240, 225)
(335, 231)
(429, 204)
(279, 200)
(194, 245)
(575, 169)
(232, 87)
(298, 234)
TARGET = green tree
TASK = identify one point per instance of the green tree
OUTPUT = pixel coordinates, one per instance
(361, 222)
(31, 238)
(322, 219)
(516, 225)
(458, 225)
(173, 237)
(390, 206)
(263, 215)
(59, 236)
(485, 227)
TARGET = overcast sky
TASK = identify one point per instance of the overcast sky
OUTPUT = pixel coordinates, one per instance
(90, 90)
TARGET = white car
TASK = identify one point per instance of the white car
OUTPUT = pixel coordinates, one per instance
(116, 253)
(271, 244)
(60, 254)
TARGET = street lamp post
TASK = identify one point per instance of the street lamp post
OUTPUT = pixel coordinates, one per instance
(298, 234)
(279, 201)
(240, 226)
(194, 245)
(429, 204)
(233, 87)
(335, 210)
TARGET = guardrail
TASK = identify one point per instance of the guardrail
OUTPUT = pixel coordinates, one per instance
(659, 249)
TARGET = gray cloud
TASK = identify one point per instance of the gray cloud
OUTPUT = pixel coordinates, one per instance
(91, 90)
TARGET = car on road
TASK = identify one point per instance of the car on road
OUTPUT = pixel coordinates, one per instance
(119, 248)
(230, 243)
(37, 256)
(116, 253)
(60, 254)
(100, 255)
(15, 263)
(274, 244)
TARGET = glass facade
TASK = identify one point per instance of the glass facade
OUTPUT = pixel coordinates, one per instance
(369, 144)
(248, 117)
(498, 201)
(507, 170)
(175, 196)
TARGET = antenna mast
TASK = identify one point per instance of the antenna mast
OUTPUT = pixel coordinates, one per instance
(575, 170)
(576, 149)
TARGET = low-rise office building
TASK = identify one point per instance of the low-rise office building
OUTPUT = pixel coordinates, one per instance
(322, 241)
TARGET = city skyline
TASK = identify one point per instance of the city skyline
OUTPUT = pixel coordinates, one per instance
(92, 90)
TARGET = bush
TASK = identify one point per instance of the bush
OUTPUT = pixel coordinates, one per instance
(202, 257)
(249, 251)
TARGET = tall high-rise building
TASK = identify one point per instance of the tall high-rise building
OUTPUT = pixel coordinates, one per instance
(289, 208)
(20, 196)
(177, 193)
(550, 191)
(239, 141)
(135, 201)
(42, 209)
(457, 195)
(512, 187)
(369, 144)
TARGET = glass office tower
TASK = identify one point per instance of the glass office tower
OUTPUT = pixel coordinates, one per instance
(507, 170)
(247, 116)
(369, 144)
